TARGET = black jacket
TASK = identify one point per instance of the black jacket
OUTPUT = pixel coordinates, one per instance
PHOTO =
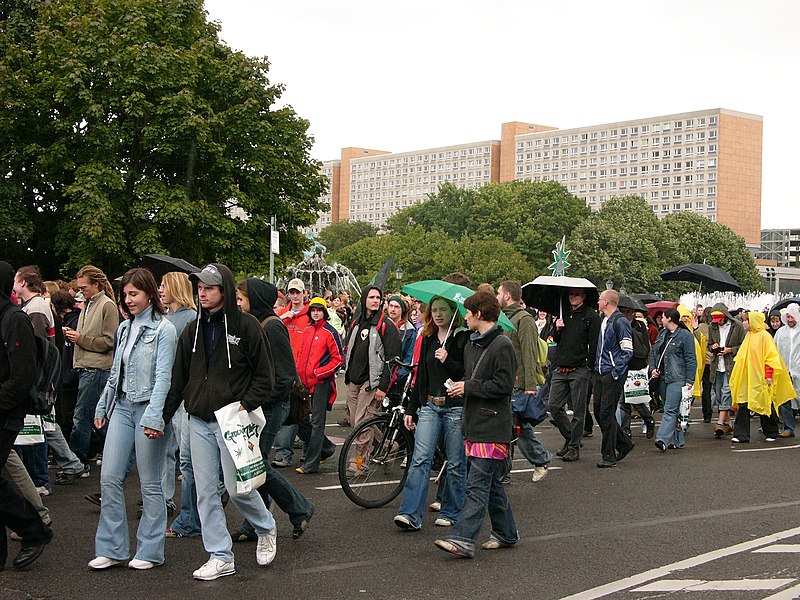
(453, 364)
(262, 296)
(577, 340)
(17, 352)
(240, 369)
(487, 405)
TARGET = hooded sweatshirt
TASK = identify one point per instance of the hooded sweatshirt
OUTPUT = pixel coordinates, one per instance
(17, 352)
(734, 340)
(787, 339)
(239, 368)
(262, 296)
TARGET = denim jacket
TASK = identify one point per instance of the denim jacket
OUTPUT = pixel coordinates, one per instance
(679, 362)
(148, 370)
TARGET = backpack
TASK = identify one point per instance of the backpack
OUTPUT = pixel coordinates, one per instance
(48, 375)
(641, 347)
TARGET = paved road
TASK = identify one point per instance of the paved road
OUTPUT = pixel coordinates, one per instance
(714, 518)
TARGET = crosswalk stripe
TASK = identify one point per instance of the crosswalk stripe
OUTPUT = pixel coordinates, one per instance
(779, 548)
(699, 585)
(787, 594)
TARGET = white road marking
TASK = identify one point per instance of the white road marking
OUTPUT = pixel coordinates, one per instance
(699, 585)
(770, 449)
(787, 594)
(688, 563)
(779, 548)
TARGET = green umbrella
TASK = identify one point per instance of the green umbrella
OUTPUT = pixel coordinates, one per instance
(436, 288)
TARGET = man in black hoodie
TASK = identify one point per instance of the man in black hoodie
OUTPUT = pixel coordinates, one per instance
(258, 297)
(222, 358)
(17, 377)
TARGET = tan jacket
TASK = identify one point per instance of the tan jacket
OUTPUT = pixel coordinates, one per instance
(97, 325)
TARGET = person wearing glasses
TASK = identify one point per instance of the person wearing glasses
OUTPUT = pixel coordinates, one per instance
(575, 335)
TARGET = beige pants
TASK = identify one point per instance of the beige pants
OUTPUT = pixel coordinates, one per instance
(361, 404)
(15, 473)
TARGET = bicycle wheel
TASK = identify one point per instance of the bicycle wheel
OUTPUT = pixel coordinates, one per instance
(371, 465)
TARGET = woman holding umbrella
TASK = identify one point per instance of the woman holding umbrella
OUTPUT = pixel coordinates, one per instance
(439, 354)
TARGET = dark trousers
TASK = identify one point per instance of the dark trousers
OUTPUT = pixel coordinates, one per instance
(319, 446)
(607, 392)
(16, 513)
(741, 426)
(706, 398)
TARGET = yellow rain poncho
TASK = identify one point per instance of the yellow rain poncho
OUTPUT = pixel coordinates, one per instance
(748, 380)
(699, 350)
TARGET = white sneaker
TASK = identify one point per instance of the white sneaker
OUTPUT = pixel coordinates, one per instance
(443, 522)
(141, 565)
(539, 473)
(435, 506)
(102, 562)
(214, 569)
(267, 547)
(43, 491)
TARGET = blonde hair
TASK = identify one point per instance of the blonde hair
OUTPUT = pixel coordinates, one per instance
(179, 288)
(52, 287)
(96, 276)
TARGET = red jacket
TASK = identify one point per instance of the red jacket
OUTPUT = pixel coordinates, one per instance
(296, 325)
(320, 354)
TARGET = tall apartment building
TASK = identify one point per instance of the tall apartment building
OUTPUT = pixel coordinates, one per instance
(781, 246)
(707, 161)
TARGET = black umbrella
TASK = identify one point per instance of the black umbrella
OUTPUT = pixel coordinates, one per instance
(631, 302)
(784, 303)
(707, 276)
(646, 298)
(160, 264)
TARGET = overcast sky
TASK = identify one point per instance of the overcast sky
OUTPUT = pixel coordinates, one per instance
(410, 75)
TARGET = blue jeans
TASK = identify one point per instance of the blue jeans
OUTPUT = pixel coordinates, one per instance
(90, 385)
(485, 493)
(125, 435)
(171, 452)
(432, 420)
(284, 442)
(208, 451)
(668, 431)
(787, 416)
(64, 457)
(722, 389)
(187, 522)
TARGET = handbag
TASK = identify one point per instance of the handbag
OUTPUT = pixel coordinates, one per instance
(529, 408)
(637, 388)
(299, 401)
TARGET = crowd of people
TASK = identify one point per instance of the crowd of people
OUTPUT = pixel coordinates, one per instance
(145, 370)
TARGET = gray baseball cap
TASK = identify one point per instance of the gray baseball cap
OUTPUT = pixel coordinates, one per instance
(210, 275)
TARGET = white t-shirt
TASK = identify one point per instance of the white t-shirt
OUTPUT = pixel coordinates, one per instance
(724, 330)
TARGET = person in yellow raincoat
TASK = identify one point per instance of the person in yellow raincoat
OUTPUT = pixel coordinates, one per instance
(690, 321)
(759, 382)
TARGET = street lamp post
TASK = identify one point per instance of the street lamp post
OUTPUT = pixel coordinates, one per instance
(609, 284)
(398, 274)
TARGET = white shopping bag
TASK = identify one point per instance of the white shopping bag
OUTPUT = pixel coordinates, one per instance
(31, 433)
(686, 408)
(636, 388)
(241, 431)
(49, 421)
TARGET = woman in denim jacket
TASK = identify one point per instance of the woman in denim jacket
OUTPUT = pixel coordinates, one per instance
(132, 403)
(673, 362)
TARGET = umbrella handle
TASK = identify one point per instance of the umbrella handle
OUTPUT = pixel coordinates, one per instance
(450, 327)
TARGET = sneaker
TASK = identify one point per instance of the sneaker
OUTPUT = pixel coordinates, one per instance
(736, 440)
(435, 506)
(444, 522)
(343, 423)
(719, 430)
(606, 464)
(539, 473)
(171, 533)
(651, 430)
(770, 439)
(280, 463)
(65, 478)
(404, 523)
(267, 547)
(43, 491)
(243, 536)
(661, 446)
(571, 456)
(85, 473)
(141, 565)
(450, 547)
(588, 433)
(93, 498)
(494, 544)
(507, 479)
(563, 451)
(300, 529)
(214, 569)
(102, 562)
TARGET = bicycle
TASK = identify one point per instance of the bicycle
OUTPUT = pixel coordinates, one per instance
(372, 463)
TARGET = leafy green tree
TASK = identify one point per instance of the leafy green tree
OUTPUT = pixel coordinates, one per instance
(343, 233)
(432, 254)
(531, 217)
(698, 240)
(624, 242)
(128, 127)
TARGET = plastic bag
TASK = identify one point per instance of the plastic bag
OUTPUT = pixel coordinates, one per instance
(241, 431)
(637, 390)
(685, 408)
(31, 433)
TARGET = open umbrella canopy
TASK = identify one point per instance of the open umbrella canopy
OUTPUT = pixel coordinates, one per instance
(646, 298)
(708, 276)
(549, 293)
(633, 303)
(160, 264)
(784, 303)
(429, 289)
(660, 306)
